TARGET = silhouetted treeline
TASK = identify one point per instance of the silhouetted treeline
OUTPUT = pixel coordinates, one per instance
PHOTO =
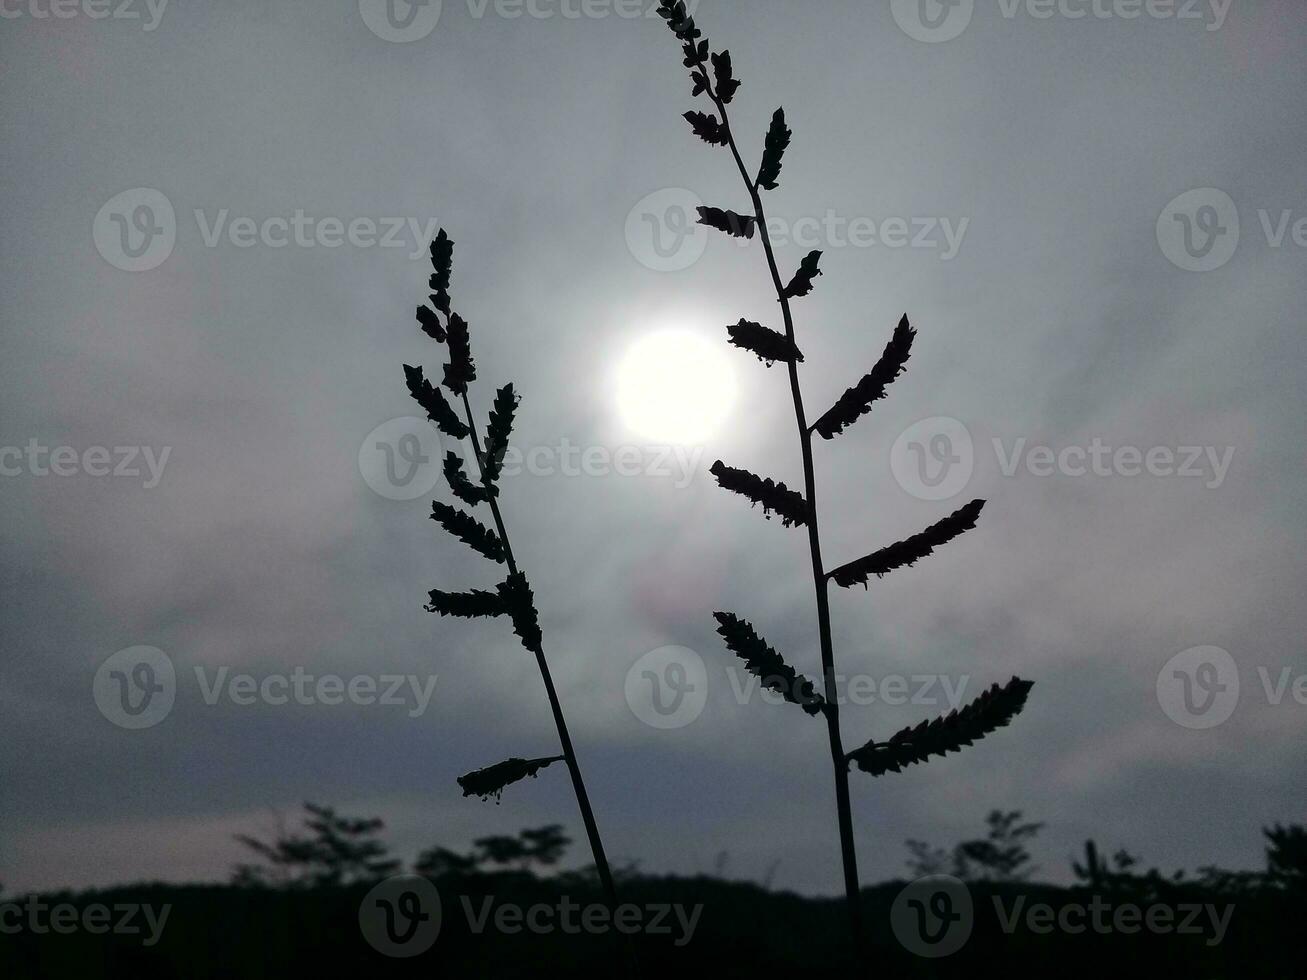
(296, 909)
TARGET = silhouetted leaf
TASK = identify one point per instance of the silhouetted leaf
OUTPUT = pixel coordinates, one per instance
(857, 401)
(707, 128)
(788, 503)
(492, 780)
(989, 712)
(466, 604)
(519, 601)
(727, 84)
(469, 530)
(464, 489)
(442, 259)
(678, 19)
(764, 662)
(460, 371)
(695, 54)
(909, 550)
(432, 400)
(769, 345)
(499, 428)
(431, 324)
(694, 49)
(801, 284)
(778, 140)
(739, 225)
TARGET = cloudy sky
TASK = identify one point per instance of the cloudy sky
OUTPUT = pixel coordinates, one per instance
(225, 338)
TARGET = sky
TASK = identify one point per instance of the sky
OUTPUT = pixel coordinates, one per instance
(213, 235)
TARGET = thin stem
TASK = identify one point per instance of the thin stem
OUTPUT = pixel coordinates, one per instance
(565, 740)
(831, 709)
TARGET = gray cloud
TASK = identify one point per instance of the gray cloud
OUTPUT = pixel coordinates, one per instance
(1060, 320)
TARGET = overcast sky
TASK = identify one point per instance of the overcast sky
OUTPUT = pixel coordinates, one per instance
(1067, 307)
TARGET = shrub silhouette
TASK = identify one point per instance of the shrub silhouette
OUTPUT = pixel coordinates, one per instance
(539, 846)
(1101, 874)
(439, 862)
(712, 75)
(1000, 856)
(1286, 870)
(218, 931)
(513, 596)
(1286, 855)
(337, 850)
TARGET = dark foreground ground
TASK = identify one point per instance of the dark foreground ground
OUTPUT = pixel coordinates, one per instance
(742, 931)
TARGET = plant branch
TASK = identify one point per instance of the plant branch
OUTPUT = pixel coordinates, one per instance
(820, 582)
(565, 740)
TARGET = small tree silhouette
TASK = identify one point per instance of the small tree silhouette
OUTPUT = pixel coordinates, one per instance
(337, 851)
(1286, 856)
(500, 849)
(541, 846)
(545, 846)
(513, 596)
(1100, 874)
(1000, 855)
(712, 75)
(926, 859)
(435, 862)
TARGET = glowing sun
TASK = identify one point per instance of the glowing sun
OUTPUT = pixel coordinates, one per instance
(675, 386)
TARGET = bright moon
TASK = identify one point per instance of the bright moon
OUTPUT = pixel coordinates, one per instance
(675, 386)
